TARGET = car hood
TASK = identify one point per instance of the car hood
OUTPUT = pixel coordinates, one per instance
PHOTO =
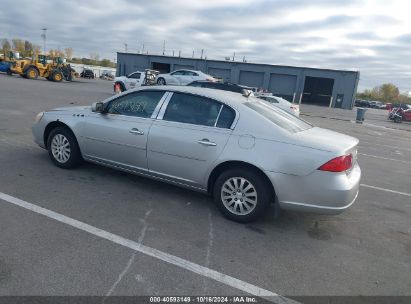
(72, 109)
(120, 78)
(327, 140)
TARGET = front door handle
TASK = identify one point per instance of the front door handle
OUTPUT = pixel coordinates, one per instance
(136, 131)
(206, 142)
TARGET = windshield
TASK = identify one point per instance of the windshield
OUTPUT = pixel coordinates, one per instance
(279, 117)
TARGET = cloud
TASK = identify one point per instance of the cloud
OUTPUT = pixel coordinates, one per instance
(373, 37)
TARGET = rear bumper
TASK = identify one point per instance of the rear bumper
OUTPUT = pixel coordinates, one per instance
(319, 192)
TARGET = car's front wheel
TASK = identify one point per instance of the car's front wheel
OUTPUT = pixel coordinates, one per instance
(63, 148)
(242, 195)
(161, 81)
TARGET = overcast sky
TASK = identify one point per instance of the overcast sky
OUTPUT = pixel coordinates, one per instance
(372, 36)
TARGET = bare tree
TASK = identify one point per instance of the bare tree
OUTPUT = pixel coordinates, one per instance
(6, 47)
(36, 49)
(28, 48)
(95, 57)
(18, 46)
(69, 52)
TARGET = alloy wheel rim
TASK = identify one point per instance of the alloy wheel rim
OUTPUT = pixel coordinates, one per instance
(239, 195)
(60, 148)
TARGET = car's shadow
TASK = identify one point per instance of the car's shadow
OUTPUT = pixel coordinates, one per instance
(316, 226)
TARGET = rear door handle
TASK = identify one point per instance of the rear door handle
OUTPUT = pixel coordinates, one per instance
(206, 142)
(136, 131)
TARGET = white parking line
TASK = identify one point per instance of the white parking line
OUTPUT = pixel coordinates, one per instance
(386, 158)
(166, 257)
(382, 145)
(386, 190)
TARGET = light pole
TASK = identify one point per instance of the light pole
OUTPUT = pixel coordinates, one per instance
(44, 39)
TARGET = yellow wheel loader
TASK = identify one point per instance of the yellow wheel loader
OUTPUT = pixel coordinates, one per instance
(56, 70)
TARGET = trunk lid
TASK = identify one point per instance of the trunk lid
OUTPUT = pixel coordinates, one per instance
(326, 140)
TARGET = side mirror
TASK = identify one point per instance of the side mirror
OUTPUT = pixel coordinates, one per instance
(97, 107)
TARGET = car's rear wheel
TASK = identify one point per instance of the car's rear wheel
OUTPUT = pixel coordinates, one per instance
(63, 148)
(242, 195)
(161, 81)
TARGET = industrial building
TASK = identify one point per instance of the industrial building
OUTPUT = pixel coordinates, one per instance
(325, 87)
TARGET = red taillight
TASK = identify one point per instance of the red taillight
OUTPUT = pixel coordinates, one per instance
(338, 164)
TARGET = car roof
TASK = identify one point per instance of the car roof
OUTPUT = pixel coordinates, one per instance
(228, 97)
(195, 71)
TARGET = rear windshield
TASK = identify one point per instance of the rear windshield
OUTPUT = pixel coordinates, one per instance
(279, 117)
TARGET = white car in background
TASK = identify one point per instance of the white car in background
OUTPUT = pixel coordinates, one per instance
(182, 77)
(282, 104)
(135, 80)
(130, 81)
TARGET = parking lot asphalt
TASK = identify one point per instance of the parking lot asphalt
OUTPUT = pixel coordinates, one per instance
(364, 251)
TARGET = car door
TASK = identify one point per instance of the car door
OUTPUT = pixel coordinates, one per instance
(133, 80)
(195, 76)
(119, 135)
(187, 77)
(177, 77)
(188, 136)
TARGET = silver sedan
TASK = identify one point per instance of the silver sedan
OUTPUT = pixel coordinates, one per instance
(241, 150)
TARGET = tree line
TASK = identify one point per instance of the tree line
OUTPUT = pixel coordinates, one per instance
(386, 92)
(29, 49)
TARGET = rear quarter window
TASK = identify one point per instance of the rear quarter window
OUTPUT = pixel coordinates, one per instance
(226, 118)
(280, 118)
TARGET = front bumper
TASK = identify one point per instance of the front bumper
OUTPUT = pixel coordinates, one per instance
(319, 192)
(38, 131)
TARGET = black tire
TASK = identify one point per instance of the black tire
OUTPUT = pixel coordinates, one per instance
(31, 73)
(57, 76)
(161, 81)
(74, 158)
(122, 88)
(263, 189)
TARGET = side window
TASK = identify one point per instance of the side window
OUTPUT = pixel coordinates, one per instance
(177, 73)
(271, 100)
(140, 104)
(226, 118)
(194, 74)
(192, 109)
(135, 76)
